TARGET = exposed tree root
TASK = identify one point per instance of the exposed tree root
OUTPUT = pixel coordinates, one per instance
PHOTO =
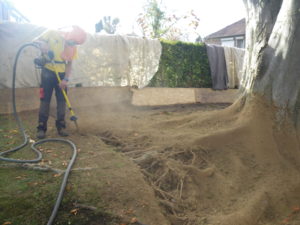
(83, 206)
(43, 168)
(219, 176)
(33, 167)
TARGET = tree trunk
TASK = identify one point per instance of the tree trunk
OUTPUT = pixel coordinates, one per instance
(272, 62)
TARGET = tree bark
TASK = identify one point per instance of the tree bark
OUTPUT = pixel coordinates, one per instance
(272, 62)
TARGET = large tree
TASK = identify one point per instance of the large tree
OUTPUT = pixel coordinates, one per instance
(272, 66)
(241, 165)
(266, 119)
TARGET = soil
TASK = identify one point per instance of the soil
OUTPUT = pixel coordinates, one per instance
(204, 164)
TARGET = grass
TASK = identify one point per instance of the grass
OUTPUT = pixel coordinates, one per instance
(27, 197)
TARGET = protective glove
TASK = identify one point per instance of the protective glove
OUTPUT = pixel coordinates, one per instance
(63, 84)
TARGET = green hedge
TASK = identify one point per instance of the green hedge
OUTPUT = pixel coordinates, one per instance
(182, 65)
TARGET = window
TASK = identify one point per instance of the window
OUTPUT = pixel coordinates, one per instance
(229, 42)
(240, 42)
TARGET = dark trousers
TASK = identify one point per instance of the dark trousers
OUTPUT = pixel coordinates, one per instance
(48, 84)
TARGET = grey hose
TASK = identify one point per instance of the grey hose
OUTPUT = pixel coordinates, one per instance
(33, 146)
(67, 172)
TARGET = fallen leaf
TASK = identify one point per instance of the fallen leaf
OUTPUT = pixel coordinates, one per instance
(133, 220)
(296, 209)
(33, 183)
(13, 131)
(57, 175)
(74, 211)
(285, 221)
(6, 223)
(68, 187)
(129, 211)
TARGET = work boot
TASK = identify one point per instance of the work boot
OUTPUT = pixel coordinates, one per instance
(41, 134)
(62, 132)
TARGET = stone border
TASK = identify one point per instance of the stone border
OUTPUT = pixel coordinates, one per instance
(28, 98)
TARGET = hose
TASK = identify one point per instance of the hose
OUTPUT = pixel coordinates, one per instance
(34, 145)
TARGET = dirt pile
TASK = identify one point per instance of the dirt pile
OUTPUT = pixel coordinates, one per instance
(231, 166)
(180, 165)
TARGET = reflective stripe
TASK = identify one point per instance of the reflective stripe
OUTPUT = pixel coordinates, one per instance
(42, 93)
(60, 62)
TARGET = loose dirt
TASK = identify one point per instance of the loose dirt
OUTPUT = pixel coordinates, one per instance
(206, 164)
(188, 164)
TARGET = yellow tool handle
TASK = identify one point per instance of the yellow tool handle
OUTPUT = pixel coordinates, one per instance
(63, 91)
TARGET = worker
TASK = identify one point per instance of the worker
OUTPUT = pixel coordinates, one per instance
(58, 49)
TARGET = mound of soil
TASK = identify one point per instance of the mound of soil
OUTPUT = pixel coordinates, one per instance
(207, 165)
(187, 164)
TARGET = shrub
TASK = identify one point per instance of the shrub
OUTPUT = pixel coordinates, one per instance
(182, 65)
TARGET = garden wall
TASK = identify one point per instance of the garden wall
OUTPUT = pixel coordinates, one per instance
(28, 98)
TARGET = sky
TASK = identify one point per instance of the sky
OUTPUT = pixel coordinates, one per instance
(214, 14)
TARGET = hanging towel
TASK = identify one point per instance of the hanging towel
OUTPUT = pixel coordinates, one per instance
(217, 63)
(234, 58)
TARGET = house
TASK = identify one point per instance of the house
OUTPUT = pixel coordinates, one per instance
(232, 35)
(9, 13)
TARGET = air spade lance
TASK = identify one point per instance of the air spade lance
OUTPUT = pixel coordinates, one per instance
(73, 117)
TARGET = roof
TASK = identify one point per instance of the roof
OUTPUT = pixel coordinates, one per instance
(235, 29)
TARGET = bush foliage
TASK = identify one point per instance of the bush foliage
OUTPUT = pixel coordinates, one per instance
(182, 65)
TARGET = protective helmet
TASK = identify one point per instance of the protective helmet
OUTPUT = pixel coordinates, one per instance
(75, 34)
